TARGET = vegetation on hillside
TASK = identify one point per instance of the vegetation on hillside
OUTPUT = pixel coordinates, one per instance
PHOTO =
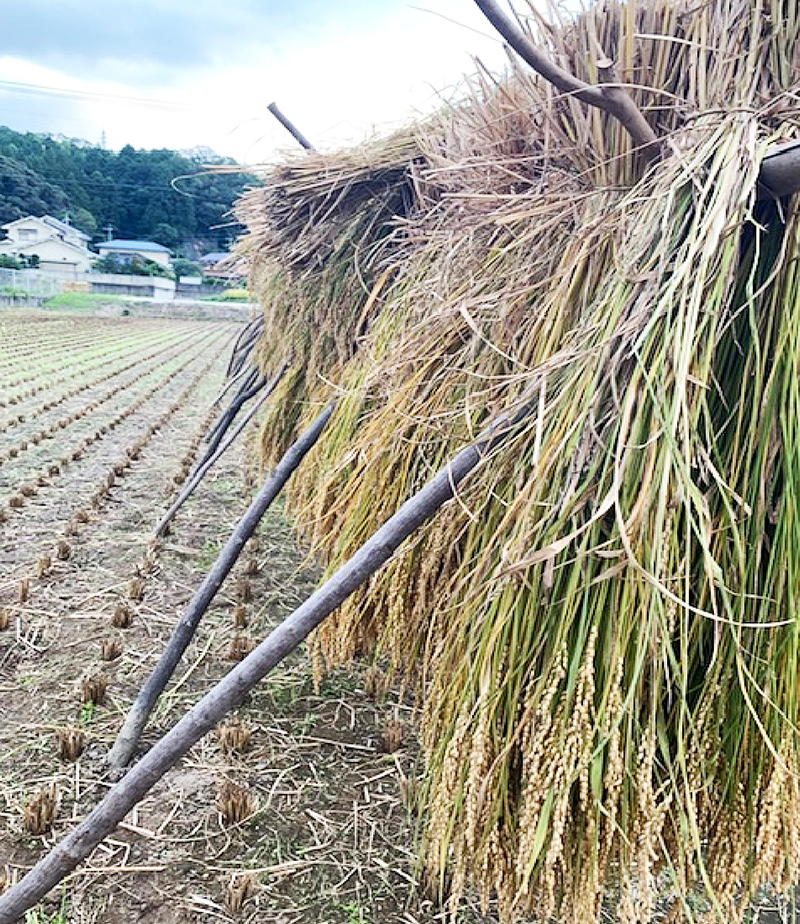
(155, 195)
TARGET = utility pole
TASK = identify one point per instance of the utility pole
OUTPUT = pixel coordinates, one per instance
(108, 229)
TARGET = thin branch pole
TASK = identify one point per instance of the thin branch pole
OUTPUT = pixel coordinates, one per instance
(251, 375)
(214, 438)
(245, 393)
(140, 711)
(206, 463)
(233, 688)
(243, 348)
(228, 385)
(244, 335)
(613, 99)
(295, 132)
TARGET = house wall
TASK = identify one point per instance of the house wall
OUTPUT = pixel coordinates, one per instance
(156, 256)
(119, 284)
(32, 229)
(56, 256)
(63, 257)
(28, 230)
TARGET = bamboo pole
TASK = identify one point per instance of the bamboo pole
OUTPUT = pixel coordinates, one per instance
(295, 132)
(137, 717)
(232, 689)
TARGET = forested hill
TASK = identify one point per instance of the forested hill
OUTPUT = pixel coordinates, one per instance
(160, 195)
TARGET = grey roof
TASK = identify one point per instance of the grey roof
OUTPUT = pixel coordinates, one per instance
(133, 245)
(61, 226)
(64, 227)
(213, 257)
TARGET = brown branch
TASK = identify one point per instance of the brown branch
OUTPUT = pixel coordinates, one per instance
(206, 464)
(614, 100)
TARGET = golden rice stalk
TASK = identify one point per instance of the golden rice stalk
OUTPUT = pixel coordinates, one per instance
(602, 623)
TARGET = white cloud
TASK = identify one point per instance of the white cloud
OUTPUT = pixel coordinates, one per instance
(372, 66)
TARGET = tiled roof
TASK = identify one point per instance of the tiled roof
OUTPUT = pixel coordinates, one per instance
(133, 245)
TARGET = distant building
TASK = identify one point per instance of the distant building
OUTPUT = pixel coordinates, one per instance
(211, 259)
(125, 251)
(222, 266)
(51, 245)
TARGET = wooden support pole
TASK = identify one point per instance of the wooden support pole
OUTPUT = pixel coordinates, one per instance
(295, 132)
(229, 385)
(610, 97)
(251, 386)
(244, 335)
(206, 463)
(232, 689)
(137, 717)
(780, 171)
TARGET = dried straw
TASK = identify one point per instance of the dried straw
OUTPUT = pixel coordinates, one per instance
(601, 628)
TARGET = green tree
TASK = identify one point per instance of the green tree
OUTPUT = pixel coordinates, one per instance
(83, 219)
(156, 195)
(184, 267)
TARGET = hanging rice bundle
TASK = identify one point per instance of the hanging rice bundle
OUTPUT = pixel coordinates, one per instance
(602, 627)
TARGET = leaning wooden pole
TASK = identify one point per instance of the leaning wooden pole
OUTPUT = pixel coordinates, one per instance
(134, 724)
(248, 390)
(207, 462)
(612, 97)
(233, 688)
(780, 171)
(205, 465)
(245, 335)
(293, 130)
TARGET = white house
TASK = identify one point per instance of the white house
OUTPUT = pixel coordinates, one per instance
(125, 251)
(59, 247)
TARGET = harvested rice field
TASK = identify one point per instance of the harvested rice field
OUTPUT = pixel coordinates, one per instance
(296, 810)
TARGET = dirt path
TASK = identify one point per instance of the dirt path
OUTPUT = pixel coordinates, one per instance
(100, 419)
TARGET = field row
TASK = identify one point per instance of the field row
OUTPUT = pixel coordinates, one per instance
(290, 808)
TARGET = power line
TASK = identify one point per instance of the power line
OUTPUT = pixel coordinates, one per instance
(34, 89)
(110, 185)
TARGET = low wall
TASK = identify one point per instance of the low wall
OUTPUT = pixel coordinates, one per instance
(118, 284)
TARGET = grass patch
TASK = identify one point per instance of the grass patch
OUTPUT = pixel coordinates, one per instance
(81, 302)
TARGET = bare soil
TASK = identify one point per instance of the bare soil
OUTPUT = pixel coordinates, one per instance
(328, 830)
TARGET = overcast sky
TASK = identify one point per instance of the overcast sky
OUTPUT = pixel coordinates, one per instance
(209, 68)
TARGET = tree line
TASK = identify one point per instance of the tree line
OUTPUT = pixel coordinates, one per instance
(159, 195)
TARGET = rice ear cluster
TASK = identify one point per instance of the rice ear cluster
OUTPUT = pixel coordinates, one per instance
(601, 626)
